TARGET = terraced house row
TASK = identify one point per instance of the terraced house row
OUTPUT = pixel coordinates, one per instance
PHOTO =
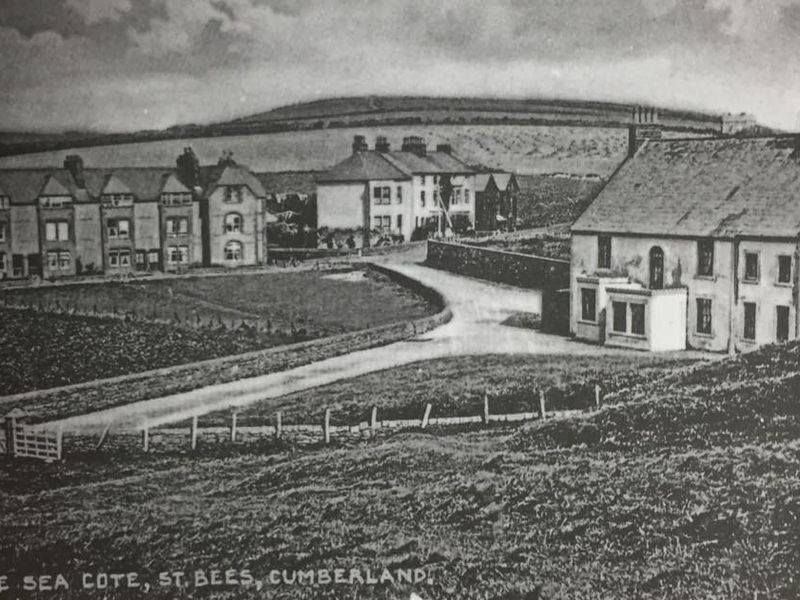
(74, 220)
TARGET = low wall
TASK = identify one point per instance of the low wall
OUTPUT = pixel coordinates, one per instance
(512, 268)
(95, 395)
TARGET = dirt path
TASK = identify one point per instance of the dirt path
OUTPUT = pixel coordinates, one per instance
(479, 309)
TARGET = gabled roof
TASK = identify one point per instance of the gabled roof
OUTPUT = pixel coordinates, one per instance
(173, 185)
(482, 181)
(412, 164)
(702, 188)
(115, 186)
(144, 183)
(235, 175)
(364, 166)
(24, 185)
(502, 180)
(53, 187)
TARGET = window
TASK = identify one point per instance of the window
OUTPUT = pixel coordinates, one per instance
(399, 195)
(399, 222)
(751, 266)
(119, 258)
(172, 255)
(422, 179)
(785, 269)
(589, 304)
(119, 228)
(457, 196)
(117, 199)
(233, 251)
(466, 196)
(705, 258)
(782, 323)
(637, 318)
(177, 226)
(4, 203)
(620, 316)
(603, 252)
(124, 258)
(749, 321)
(422, 198)
(233, 194)
(2, 261)
(56, 231)
(704, 316)
(233, 223)
(152, 257)
(141, 259)
(2, 231)
(382, 195)
(52, 261)
(656, 268)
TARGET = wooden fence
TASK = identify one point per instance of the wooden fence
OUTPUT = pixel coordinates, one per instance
(323, 431)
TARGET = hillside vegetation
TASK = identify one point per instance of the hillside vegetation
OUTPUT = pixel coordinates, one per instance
(689, 489)
(368, 111)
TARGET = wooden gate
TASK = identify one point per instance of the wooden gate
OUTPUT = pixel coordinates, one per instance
(31, 441)
(23, 440)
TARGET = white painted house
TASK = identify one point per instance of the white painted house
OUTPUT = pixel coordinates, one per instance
(691, 243)
(381, 191)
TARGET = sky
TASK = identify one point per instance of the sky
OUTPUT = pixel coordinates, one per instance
(124, 65)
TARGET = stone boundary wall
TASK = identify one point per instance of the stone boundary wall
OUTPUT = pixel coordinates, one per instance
(512, 268)
(82, 398)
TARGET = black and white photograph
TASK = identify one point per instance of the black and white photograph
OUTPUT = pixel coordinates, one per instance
(400, 299)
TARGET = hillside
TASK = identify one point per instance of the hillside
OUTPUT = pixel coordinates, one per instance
(688, 489)
(371, 111)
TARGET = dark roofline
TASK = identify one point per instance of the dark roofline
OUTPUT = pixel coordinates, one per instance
(727, 138)
(678, 236)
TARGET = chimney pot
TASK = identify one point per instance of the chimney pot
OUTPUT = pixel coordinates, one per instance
(382, 144)
(74, 164)
(359, 144)
(415, 144)
(446, 148)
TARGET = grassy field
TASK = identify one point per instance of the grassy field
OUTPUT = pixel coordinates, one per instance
(456, 386)
(176, 321)
(546, 200)
(519, 148)
(689, 489)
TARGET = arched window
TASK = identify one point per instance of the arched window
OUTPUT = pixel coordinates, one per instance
(233, 251)
(656, 268)
(233, 223)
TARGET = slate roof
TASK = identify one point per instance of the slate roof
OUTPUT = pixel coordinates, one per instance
(237, 175)
(53, 187)
(115, 186)
(717, 188)
(289, 182)
(364, 166)
(173, 185)
(481, 181)
(449, 163)
(144, 183)
(502, 180)
(24, 185)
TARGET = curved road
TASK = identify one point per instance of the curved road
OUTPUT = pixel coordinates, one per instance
(478, 307)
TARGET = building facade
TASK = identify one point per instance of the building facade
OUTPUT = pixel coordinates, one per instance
(692, 243)
(396, 193)
(74, 221)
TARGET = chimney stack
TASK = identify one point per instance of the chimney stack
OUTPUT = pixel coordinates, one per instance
(382, 144)
(74, 164)
(415, 144)
(359, 144)
(645, 127)
(445, 148)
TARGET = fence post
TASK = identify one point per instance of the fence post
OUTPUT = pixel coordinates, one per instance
(426, 416)
(486, 409)
(59, 442)
(598, 401)
(542, 407)
(326, 426)
(233, 426)
(145, 439)
(278, 424)
(194, 432)
(373, 421)
(103, 436)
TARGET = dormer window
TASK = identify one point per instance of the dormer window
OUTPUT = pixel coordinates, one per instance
(176, 199)
(233, 194)
(117, 199)
(54, 201)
